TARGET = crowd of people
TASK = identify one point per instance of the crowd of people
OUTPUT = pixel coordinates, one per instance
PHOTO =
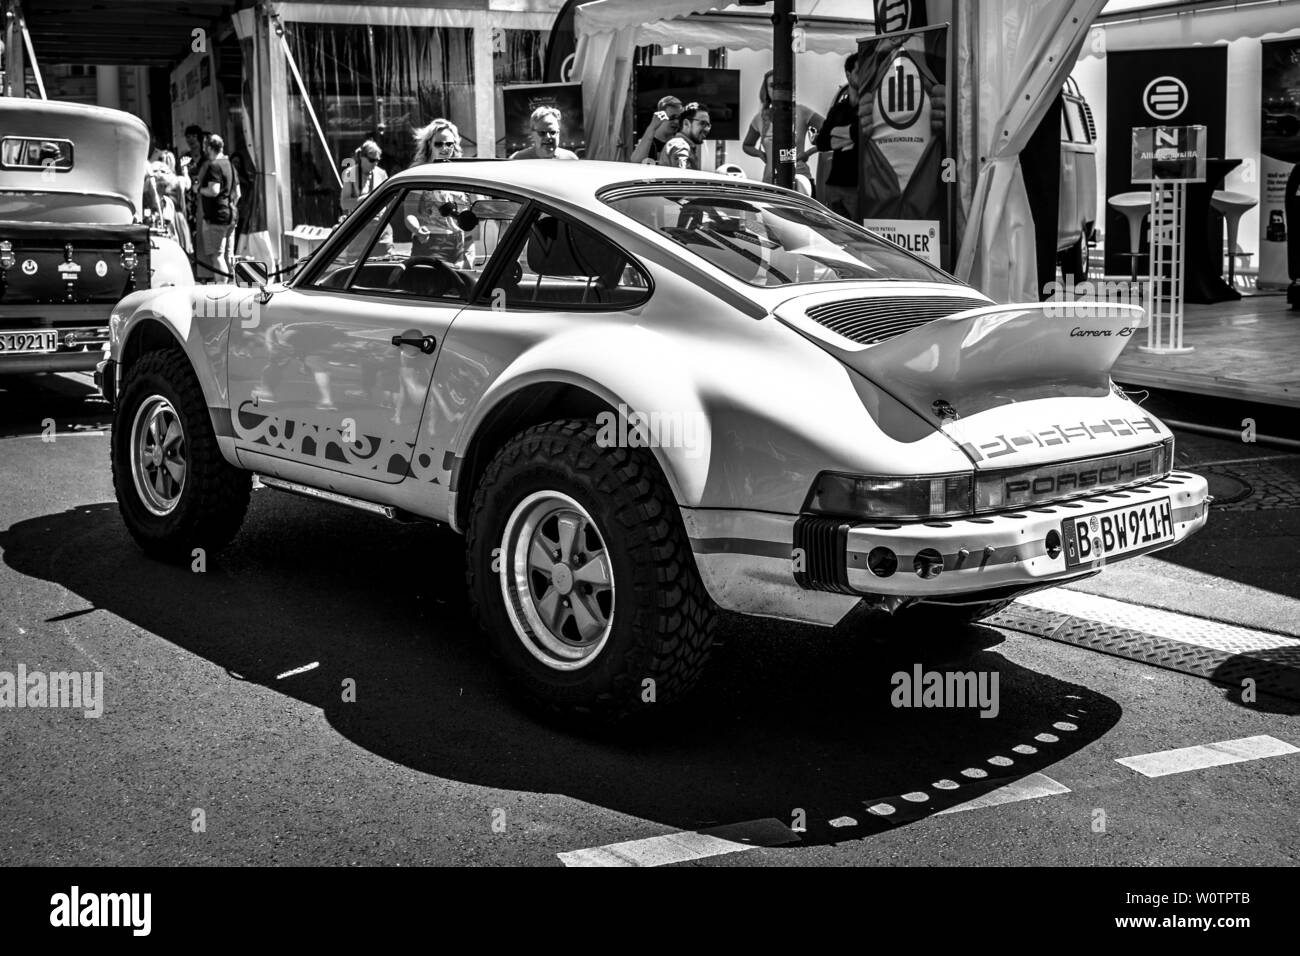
(673, 137)
(197, 198)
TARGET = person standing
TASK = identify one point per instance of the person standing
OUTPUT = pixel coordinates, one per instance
(434, 230)
(760, 130)
(683, 150)
(839, 136)
(219, 197)
(662, 127)
(366, 175)
(191, 166)
(545, 126)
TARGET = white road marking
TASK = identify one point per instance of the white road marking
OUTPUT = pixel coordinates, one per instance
(53, 439)
(1165, 762)
(684, 846)
(1030, 787)
(298, 670)
(1203, 632)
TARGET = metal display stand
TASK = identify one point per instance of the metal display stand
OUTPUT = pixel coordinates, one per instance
(1165, 269)
(1167, 157)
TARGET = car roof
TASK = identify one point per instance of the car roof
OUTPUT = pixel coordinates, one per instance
(566, 179)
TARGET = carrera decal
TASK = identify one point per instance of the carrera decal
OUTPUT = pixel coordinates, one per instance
(325, 443)
(1059, 435)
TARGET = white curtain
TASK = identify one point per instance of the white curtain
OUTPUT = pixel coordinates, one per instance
(1023, 52)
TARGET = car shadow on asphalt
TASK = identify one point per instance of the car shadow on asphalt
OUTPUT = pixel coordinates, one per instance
(791, 723)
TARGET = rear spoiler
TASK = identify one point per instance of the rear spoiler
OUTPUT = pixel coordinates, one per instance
(985, 357)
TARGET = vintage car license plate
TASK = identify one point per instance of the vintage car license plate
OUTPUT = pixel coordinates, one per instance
(1107, 534)
(42, 340)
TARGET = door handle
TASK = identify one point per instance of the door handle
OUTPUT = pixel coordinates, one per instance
(425, 343)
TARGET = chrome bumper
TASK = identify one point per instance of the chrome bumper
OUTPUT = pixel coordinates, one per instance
(815, 569)
(1006, 549)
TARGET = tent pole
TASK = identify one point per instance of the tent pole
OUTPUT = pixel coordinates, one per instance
(783, 93)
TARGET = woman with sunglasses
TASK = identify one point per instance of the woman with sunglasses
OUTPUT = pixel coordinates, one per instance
(434, 233)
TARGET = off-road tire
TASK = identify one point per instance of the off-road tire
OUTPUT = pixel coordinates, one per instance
(663, 619)
(214, 495)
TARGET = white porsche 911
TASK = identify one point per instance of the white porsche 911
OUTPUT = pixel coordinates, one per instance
(643, 394)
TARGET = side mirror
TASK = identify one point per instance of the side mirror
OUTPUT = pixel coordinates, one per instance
(250, 272)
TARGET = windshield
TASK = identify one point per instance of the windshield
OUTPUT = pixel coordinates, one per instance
(771, 241)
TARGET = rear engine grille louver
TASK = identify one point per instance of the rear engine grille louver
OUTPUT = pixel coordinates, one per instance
(875, 320)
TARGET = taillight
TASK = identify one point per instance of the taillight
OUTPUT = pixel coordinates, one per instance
(128, 256)
(7, 259)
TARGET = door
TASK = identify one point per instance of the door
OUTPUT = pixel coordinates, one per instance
(333, 372)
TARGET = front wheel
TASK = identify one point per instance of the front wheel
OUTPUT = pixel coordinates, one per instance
(174, 490)
(580, 572)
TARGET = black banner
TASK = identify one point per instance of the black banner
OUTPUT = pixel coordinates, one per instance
(1176, 87)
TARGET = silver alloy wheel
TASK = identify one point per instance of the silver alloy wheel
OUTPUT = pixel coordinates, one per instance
(158, 455)
(557, 580)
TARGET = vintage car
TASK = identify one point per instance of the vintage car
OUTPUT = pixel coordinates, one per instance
(643, 394)
(1077, 204)
(73, 240)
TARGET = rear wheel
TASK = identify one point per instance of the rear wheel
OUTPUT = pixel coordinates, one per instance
(174, 490)
(581, 574)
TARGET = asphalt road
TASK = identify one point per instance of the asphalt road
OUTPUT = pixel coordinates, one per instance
(225, 736)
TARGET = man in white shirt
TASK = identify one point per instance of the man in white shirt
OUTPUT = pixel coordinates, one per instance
(545, 126)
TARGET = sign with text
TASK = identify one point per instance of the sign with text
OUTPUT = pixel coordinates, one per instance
(902, 79)
(1279, 151)
(1182, 86)
(1168, 154)
(918, 236)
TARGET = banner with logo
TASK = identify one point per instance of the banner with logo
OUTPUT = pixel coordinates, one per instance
(1172, 87)
(1279, 153)
(903, 194)
(895, 16)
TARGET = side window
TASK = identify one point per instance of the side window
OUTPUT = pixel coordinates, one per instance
(371, 240)
(425, 243)
(564, 264)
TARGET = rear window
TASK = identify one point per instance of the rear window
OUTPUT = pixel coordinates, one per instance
(767, 240)
(26, 152)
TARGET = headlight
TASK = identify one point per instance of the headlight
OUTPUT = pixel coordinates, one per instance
(857, 496)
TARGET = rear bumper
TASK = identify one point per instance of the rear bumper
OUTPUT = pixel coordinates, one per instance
(816, 570)
(1006, 549)
(77, 361)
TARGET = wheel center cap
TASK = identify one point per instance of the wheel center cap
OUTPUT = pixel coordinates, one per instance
(562, 578)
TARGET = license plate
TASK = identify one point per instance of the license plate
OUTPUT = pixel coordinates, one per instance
(45, 340)
(1107, 534)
